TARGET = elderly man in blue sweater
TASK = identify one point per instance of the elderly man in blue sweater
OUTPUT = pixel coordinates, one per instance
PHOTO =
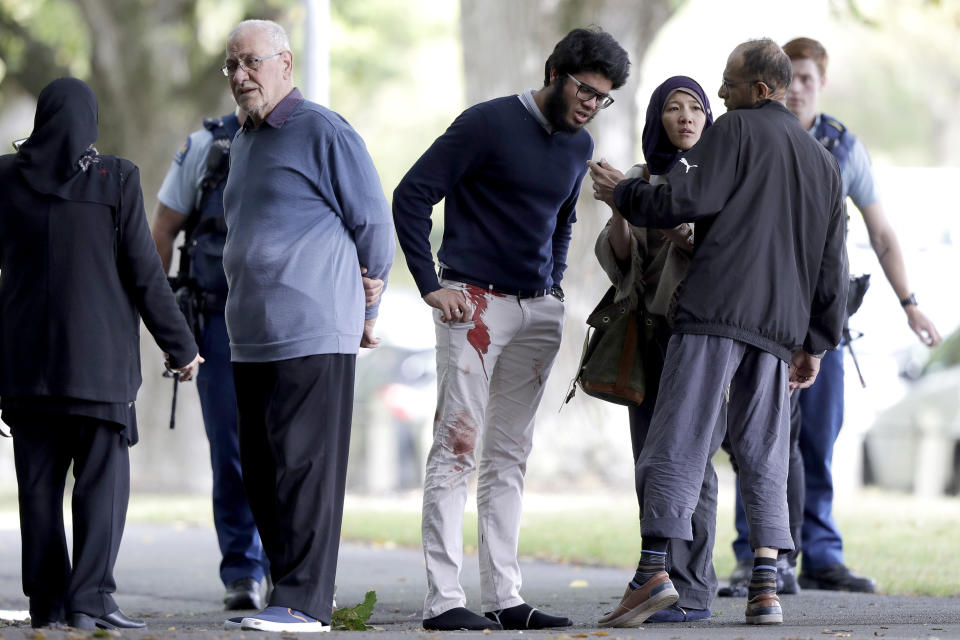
(303, 205)
(510, 170)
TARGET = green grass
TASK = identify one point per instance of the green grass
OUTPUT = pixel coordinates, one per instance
(875, 524)
(151, 508)
(582, 529)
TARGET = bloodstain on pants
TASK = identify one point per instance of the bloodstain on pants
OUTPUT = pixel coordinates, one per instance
(484, 421)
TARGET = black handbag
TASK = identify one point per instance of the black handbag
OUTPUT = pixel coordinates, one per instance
(611, 365)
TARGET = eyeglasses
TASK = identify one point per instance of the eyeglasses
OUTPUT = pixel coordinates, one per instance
(230, 67)
(726, 84)
(586, 93)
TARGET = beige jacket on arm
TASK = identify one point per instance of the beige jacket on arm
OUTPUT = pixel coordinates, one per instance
(656, 267)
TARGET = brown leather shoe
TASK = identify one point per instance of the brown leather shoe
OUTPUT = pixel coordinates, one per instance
(639, 604)
(764, 609)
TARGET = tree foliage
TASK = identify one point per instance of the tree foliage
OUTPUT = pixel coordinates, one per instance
(151, 63)
(155, 64)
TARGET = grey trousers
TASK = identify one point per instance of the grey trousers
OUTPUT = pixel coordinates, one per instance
(689, 562)
(683, 437)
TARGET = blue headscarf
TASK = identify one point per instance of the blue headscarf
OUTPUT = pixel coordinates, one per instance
(658, 151)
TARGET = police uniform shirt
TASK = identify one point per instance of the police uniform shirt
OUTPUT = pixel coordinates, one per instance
(857, 174)
(182, 182)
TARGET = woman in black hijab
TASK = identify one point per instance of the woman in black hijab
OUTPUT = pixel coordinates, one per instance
(77, 269)
(648, 265)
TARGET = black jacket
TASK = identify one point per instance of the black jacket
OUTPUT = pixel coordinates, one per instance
(71, 287)
(769, 265)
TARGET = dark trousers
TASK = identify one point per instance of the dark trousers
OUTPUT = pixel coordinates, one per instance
(295, 420)
(821, 410)
(685, 433)
(240, 548)
(690, 563)
(44, 446)
(795, 491)
(816, 415)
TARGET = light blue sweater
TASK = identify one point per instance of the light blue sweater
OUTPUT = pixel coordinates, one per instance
(304, 208)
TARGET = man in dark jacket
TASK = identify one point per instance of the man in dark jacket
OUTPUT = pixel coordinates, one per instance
(77, 270)
(762, 302)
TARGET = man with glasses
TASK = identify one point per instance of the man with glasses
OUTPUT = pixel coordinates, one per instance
(510, 170)
(763, 300)
(302, 204)
(818, 412)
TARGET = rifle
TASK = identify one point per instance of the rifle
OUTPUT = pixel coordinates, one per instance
(193, 301)
(190, 300)
(176, 383)
(855, 294)
(188, 297)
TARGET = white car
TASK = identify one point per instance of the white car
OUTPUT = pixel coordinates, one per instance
(915, 444)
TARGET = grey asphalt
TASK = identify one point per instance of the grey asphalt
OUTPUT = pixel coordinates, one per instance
(168, 575)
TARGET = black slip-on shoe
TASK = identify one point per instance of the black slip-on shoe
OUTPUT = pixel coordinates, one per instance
(242, 594)
(114, 620)
(786, 577)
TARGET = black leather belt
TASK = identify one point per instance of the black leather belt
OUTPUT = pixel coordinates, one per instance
(449, 274)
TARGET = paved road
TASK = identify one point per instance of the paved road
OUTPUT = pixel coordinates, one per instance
(168, 575)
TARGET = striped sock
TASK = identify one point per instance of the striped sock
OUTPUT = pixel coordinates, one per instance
(651, 563)
(764, 577)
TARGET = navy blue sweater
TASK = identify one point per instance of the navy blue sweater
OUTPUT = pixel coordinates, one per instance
(511, 191)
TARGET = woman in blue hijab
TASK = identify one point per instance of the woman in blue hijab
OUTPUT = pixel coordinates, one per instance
(648, 265)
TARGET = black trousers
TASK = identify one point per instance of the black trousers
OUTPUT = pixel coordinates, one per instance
(44, 446)
(294, 420)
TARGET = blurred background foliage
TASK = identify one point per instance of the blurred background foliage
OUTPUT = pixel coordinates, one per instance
(154, 64)
(399, 72)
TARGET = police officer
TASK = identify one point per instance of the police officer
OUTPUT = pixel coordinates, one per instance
(191, 199)
(822, 405)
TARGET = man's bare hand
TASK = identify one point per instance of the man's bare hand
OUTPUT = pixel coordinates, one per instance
(605, 180)
(803, 370)
(451, 302)
(923, 326)
(368, 340)
(372, 288)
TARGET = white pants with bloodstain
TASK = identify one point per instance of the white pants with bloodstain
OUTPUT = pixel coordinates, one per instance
(491, 372)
